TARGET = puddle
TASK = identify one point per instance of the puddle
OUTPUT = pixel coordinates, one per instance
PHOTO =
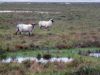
(14, 11)
(22, 11)
(46, 12)
(42, 60)
(94, 54)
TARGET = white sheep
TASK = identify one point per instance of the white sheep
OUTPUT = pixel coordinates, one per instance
(25, 28)
(46, 24)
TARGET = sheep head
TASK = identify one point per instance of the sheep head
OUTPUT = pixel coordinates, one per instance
(33, 24)
(52, 20)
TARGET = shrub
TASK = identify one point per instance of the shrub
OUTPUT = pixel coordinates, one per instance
(39, 56)
(46, 56)
(3, 56)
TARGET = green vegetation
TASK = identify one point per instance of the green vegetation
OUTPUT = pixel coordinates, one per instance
(74, 53)
(77, 67)
(75, 33)
(75, 26)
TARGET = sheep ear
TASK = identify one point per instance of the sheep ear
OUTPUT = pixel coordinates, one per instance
(33, 24)
(52, 20)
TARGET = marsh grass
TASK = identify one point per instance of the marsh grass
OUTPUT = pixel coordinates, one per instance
(76, 67)
(76, 29)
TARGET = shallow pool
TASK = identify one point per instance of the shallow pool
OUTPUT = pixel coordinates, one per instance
(42, 60)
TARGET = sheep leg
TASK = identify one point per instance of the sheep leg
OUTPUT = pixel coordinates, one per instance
(48, 28)
(42, 27)
(17, 31)
(29, 33)
(20, 32)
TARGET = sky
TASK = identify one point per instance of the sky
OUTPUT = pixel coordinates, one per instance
(50, 0)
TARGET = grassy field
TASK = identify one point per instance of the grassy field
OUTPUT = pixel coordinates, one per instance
(75, 25)
(75, 32)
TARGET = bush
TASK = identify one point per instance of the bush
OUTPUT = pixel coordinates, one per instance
(39, 56)
(47, 56)
(3, 56)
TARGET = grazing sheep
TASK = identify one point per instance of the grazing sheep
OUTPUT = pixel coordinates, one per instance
(46, 24)
(25, 28)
